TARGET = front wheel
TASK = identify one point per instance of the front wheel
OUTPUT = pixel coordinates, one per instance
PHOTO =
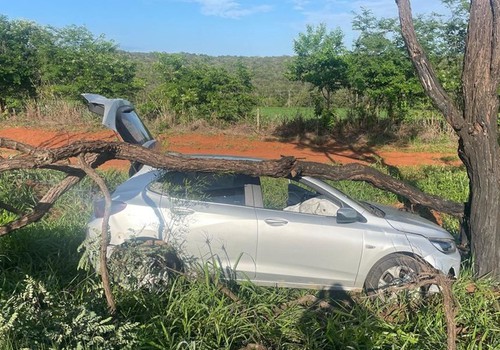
(393, 271)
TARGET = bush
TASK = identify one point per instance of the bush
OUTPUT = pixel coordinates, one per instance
(36, 318)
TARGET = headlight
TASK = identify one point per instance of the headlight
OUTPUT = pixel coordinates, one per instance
(446, 246)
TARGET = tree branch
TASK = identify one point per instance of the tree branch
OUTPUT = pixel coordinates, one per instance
(104, 231)
(426, 74)
(44, 205)
(284, 167)
(10, 208)
(360, 172)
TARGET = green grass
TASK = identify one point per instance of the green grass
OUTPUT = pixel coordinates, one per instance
(47, 303)
(284, 113)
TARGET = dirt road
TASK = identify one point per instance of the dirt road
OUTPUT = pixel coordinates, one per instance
(253, 146)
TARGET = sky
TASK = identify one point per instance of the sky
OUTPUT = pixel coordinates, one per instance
(211, 27)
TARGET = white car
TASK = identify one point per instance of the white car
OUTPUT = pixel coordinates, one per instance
(297, 232)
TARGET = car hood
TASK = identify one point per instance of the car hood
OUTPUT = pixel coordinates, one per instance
(412, 223)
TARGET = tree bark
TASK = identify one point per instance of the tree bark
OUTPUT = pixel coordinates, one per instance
(106, 282)
(479, 148)
(284, 167)
(475, 123)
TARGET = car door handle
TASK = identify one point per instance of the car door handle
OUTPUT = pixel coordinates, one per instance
(182, 211)
(276, 222)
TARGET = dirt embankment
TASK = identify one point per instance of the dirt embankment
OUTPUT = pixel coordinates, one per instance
(193, 143)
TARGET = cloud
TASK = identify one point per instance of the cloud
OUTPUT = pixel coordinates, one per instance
(229, 8)
(299, 5)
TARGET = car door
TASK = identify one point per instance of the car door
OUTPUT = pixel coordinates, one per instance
(211, 219)
(299, 249)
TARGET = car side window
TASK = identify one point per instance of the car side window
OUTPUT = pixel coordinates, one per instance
(206, 187)
(294, 196)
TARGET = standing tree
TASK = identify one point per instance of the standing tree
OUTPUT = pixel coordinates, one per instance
(19, 76)
(78, 61)
(196, 89)
(379, 71)
(475, 122)
(320, 61)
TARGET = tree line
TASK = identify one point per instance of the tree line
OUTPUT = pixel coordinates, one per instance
(375, 75)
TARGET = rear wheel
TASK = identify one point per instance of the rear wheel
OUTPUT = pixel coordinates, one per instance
(150, 265)
(393, 271)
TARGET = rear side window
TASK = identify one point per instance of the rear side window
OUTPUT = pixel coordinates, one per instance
(207, 187)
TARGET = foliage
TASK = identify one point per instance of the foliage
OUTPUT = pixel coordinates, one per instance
(447, 38)
(18, 61)
(204, 91)
(36, 318)
(379, 71)
(320, 61)
(38, 61)
(78, 62)
(372, 80)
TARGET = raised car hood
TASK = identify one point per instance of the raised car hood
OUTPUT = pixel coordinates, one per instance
(411, 223)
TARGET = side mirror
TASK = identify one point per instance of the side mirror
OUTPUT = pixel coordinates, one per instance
(347, 216)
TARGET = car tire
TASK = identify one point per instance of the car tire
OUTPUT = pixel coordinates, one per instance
(394, 270)
(147, 265)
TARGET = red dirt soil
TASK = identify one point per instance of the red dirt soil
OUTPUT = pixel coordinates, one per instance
(195, 143)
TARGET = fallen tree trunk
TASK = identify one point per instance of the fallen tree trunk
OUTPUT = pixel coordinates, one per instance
(97, 152)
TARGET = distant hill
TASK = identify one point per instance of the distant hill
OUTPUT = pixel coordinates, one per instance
(268, 75)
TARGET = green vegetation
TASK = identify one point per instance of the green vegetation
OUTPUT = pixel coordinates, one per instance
(44, 62)
(200, 91)
(47, 303)
(369, 87)
(320, 61)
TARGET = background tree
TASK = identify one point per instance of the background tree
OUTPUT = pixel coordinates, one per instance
(450, 37)
(78, 62)
(320, 60)
(475, 123)
(205, 91)
(379, 71)
(37, 61)
(19, 62)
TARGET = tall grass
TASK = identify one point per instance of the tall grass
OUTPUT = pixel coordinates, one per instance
(46, 303)
(418, 128)
(55, 113)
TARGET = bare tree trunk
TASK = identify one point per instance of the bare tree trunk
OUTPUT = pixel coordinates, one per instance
(475, 124)
(479, 149)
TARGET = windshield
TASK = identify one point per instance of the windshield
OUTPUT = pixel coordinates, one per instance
(372, 209)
